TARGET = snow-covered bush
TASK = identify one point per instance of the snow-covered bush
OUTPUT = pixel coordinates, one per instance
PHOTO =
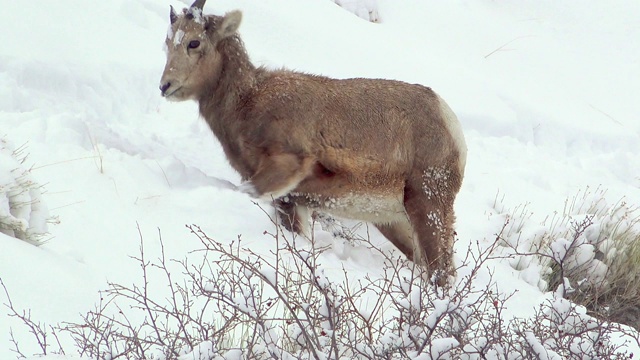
(23, 213)
(603, 264)
(237, 304)
(591, 249)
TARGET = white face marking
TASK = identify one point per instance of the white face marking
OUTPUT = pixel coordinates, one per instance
(177, 38)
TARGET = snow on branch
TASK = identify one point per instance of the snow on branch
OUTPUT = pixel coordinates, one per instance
(238, 304)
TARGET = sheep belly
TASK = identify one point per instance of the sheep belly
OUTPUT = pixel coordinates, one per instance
(370, 207)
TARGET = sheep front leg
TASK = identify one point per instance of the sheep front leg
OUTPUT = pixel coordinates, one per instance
(277, 175)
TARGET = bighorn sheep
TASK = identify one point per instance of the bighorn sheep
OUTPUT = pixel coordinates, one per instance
(382, 151)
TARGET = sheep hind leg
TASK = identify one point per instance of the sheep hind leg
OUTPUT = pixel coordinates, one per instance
(431, 219)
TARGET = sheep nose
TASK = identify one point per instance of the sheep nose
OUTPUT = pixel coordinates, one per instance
(164, 87)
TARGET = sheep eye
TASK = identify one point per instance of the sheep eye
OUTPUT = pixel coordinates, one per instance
(193, 44)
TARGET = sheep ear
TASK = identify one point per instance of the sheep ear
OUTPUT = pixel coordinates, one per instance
(198, 4)
(172, 15)
(230, 23)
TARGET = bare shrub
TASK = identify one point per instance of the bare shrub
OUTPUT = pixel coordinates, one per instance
(233, 303)
(42, 334)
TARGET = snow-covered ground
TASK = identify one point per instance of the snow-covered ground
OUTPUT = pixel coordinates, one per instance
(546, 91)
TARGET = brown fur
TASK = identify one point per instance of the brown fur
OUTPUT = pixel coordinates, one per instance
(377, 150)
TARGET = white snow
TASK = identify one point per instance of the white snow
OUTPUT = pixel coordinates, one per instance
(269, 274)
(546, 93)
(365, 9)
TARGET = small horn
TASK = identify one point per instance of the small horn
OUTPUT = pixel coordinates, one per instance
(199, 4)
(172, 15)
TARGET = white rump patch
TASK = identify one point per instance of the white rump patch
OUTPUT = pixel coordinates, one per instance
(177, 39)
(453, 125)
